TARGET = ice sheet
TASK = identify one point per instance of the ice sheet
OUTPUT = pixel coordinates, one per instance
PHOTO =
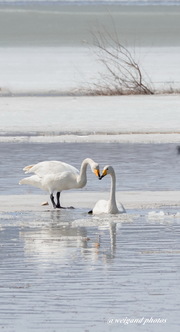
(90, 118)
(84, 200)
(65, 70)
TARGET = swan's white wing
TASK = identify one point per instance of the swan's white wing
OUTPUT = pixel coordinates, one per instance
(52, 182)
(59, 181)
(54, 167)
(33, 180)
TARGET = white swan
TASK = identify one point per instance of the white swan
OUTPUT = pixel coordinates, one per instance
(55, 176)
(109, 206)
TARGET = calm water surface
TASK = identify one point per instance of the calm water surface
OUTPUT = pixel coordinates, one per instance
(137, 166)
(66, 271)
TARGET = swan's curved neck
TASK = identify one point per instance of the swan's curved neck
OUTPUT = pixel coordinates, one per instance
(113, 190)
(82, 178)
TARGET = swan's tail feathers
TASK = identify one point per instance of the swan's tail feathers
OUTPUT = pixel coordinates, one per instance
(27, 169)
(33, 180)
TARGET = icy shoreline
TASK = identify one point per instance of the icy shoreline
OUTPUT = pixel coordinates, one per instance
(123, 138)
(130, 199)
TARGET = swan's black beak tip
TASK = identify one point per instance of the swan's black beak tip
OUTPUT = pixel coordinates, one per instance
(100, 177)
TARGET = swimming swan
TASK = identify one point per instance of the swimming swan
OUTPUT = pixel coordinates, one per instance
(109, 206)
(55, 176)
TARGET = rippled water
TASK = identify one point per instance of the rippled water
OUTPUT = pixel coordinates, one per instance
(66, 271)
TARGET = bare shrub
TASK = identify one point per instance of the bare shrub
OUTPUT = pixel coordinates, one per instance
(122, 74)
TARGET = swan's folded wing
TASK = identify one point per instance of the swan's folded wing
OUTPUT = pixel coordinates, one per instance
(59, 181)
(33, 180)
(46, 167)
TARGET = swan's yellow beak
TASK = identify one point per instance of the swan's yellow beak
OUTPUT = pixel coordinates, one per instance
(104, 173)
(97, 173)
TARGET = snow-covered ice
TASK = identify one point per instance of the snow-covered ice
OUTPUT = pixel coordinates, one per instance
(120, 118)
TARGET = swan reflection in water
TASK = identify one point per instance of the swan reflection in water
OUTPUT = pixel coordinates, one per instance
(62, 238)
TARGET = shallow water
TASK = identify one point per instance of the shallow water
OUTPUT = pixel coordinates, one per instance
(66, 270)
(137, 166)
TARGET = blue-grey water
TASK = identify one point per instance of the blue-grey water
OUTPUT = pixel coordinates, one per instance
(67, 271)
(137, 166)
(91, 2)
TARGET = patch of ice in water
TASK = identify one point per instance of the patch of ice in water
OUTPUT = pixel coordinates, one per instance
(104, 220)
(161, 215)
(6, 216)
(156, 214)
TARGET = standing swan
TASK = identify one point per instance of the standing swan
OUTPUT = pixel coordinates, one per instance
(109, 206)
(55, 176)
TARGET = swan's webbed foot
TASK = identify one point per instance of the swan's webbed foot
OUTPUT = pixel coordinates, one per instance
(58, 206)
(90, 212)
(68, 207)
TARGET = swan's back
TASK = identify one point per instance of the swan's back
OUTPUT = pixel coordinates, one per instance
(101, 207)
(54, 167)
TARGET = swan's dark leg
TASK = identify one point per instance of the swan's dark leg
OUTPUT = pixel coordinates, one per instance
(90, 212)
(58, 205)
(52, 200)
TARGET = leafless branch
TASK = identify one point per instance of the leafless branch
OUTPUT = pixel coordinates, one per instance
(122, 72)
